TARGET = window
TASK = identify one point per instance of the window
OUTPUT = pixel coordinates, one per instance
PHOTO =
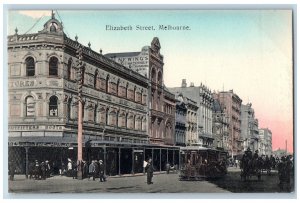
(107, 83)
(69, 108)
(69, 70)
(96, 80)
(30, 66)
(30, 108)
(53, 66)
(53, 106)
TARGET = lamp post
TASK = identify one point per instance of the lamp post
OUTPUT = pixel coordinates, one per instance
(79, 136)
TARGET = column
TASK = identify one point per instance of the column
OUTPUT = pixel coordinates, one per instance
(144, 160)
(119, 161)
(27, 162)
(152, 156)
(167, 155)
(160, 159)
(104, 154)
(173, 156)
(132, 164)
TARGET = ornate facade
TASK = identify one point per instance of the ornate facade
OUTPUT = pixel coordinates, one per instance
(43, 105)
(249, 127)
(203, 97)
(220, 126)
(149, 62)
(186, 121)
(232, 107)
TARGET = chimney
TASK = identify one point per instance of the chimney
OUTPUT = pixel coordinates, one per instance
(192, 84)
(183, 84)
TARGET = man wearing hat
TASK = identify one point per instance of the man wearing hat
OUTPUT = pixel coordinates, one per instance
(101, 171)
(91, 169)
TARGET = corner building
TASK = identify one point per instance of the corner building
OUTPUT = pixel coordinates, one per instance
(43, 107)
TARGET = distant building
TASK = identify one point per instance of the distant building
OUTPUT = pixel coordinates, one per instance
(202, 95)
(249, 128)
(265, 141)
(186, 121)
(220, 126)
(232, 107)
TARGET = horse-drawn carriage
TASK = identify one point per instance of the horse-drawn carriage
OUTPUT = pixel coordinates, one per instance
(251, 166)
(197, 163)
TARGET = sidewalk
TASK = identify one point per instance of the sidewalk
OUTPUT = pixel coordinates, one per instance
(23, 177)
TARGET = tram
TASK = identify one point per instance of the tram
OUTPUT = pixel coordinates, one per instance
(198, 163)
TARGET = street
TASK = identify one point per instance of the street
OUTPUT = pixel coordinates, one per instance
(163, 183)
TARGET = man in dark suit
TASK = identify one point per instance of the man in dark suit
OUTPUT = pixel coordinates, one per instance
(149, 169)
(101, 171)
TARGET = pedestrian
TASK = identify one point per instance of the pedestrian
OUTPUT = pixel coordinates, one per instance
(37, 170)
(85, 169)
(96, 170)
(74, 171)
(43, 171)
(149, 169)
(12, 170)
(101, 171)
(31, 169)
(168, 167)
(91, 169)
(48, 168)
(70, 166)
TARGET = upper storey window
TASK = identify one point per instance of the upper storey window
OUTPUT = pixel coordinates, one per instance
(30, 66)
(53, 66)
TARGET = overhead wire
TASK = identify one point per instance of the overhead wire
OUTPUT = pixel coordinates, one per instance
(34, 24)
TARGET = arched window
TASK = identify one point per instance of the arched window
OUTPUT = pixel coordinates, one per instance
(153, 75)
(53, 66)
(95, 113)
(69, 70)
(118, 84)
(53, 110)
(96, 80)
(69, 108)
(159, 78)
(30, 106)
(30, 66)
(107, 83)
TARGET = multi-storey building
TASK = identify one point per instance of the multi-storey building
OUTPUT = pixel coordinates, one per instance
(220, 126)
(43, 104)
(186, 121)
(232, 107)
(203, 96)
(161, 126)
(181, 121)
(249, 128)
(265, 141)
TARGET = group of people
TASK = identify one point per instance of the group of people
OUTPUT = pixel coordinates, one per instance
(94, 169)
(39, 170)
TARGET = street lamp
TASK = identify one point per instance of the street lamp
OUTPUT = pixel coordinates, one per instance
(80, 73)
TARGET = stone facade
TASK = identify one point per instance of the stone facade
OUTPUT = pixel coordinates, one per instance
(232, 107)
(149, 62)
(220, 126)
(43, 107)
(203, 96)
(249, 128)
(265, 141)
(186, 121)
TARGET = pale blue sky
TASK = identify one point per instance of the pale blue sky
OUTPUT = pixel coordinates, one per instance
(247, 51)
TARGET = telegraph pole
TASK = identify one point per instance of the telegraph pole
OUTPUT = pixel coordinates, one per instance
(79, 136)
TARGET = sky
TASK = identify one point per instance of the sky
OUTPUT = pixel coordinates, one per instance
(249, 51)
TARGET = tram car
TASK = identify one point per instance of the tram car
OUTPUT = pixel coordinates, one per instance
(199, 163)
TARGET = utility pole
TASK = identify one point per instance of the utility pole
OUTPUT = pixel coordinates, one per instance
(79, 136)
